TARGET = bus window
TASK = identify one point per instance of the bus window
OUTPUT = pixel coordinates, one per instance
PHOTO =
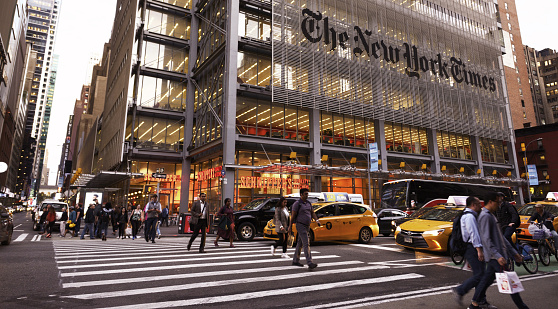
(394, 195)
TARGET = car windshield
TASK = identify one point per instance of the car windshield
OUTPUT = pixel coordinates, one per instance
(529, 210)
(442, 214)
(57, 207)
(254, 204)
(421, 212)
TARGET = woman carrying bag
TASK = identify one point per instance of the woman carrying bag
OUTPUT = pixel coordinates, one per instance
(51, 218)
(225, 229)
(281, 222)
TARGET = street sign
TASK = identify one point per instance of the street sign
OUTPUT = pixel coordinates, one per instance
(533, 176)
(159, 175)
(223, 173)
(373, 150)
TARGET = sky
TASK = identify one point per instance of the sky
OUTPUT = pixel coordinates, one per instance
(84, 28)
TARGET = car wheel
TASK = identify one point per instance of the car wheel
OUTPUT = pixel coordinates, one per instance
(246, 231)
(365, 235)
(386, 234)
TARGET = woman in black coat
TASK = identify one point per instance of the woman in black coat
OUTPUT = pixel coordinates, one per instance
(122, 221)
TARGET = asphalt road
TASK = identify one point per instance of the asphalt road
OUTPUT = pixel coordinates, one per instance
(72, 273)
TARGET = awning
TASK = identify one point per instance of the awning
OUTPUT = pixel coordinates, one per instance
(104, 179)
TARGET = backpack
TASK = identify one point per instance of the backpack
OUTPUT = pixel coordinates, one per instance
(104, 215)
(457, 245)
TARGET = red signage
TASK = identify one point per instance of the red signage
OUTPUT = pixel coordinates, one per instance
(210, 173)
(170, 178)
(273, 183)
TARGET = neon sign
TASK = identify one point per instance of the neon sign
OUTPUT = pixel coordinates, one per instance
(273, 183)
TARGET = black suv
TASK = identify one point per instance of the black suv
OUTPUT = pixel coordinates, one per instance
(252, 219)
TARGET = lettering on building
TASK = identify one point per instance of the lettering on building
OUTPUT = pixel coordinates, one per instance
(273, 183)
(209, 173)
(170, 178)
(315, 28)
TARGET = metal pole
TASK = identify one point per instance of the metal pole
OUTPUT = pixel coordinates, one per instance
(527, 173)
(369, 183)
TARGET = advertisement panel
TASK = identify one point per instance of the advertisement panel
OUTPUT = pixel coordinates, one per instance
(93, 197)
(373, 150)
(533, 176)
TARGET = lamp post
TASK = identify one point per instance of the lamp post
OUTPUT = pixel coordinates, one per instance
(524, 149)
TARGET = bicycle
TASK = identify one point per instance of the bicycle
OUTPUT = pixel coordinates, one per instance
(529, 262)
(546, 245)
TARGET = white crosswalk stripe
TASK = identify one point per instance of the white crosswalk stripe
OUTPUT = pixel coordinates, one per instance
(99, 272)
(21, 237)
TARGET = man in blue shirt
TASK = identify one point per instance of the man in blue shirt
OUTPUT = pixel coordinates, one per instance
(473, 253)
(302, 215)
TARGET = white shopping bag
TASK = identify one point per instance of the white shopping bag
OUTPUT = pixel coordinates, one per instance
(508, 282)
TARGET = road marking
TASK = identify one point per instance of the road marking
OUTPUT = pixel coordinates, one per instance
(156, 254)
(87, 247)
(15, 227)
(180, 287)
(196, 275)
(21, 237)
(378, 247)
(36, 238)
(287, 291)
(150, 252)
(143, 262)
(159, 267)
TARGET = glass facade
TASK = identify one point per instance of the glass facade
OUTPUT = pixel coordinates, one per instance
(451, 145)
(167, 24)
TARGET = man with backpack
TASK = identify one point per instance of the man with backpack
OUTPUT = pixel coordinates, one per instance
(466, 233)
(508, 218)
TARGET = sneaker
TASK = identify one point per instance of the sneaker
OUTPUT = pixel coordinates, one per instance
(312, 266)
(458, 298)
(273, 250)
(159, 236)
(486, 305)
(471, 306)
(297, 264)
(285, 256)
(118, 237)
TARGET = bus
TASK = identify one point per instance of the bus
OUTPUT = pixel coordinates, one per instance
(413, 194)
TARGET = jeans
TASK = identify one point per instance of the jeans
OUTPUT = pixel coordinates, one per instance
(555, 236)
(89, 227)
(302, 242)
(135, 227)
(76, 228)
(150, 228)
(477, 266)
(200, 227)
(282, 241)
(492, 267)
(104, 228)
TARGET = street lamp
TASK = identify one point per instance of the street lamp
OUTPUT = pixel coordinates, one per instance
(524, 149)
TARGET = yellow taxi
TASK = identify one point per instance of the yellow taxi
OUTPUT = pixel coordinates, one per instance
(528, 210)
(431, 231)
(340, 221)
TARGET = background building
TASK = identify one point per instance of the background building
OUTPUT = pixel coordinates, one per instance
(524, 112)
(543, 112)
(547, 62)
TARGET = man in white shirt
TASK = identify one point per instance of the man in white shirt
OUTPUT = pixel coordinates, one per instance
(198, 221)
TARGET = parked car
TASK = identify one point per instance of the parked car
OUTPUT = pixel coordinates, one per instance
(386, 218)
(340, 221)
(58, 206)
(6, 226)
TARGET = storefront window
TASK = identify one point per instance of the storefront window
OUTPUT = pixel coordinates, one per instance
(168, 189)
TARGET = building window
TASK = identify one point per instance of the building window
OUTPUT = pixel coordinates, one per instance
(254, 26)
(254, 70)
(403, 138)
(156, 134)
(161, 93)
(167, 24)
(165, 57)
(452, 145)
(509, 26)
(506, 5)
(508, 16)
(346, 130)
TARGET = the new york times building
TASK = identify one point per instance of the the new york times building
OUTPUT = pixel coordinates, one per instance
(325, 79)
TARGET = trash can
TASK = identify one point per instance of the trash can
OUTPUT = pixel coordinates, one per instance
(184, 223)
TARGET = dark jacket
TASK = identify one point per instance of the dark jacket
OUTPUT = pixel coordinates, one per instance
(507, 214)
(64, 216)
(542, 219)
(122, 218)
(90, 216)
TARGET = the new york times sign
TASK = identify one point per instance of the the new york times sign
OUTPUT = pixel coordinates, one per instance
(316, 28)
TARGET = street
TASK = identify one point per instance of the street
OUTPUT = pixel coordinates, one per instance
(73, 273)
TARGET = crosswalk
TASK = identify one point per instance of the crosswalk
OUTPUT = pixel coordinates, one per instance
(128, 274)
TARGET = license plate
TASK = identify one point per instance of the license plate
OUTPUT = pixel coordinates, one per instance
(407, 239)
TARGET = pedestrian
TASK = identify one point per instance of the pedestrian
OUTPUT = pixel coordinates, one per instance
(98, 210)
(546, 218)
(42, 220)
(281, 222)
(89, 221)
(473, 253)
(62, 222)
(79, 216)
(129, 212)
(302, 215)
(72, 218)
(105, 217)
(114, 220)
(198, 221)
(508, 218)
(225, 229)
(122, 221)
(496, 250)
(153, 209)
(51, 219)
(136, 219)
(165, 216)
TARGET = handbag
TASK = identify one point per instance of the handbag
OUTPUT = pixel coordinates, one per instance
(224, 223)
(290, 240)
(508, 282)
